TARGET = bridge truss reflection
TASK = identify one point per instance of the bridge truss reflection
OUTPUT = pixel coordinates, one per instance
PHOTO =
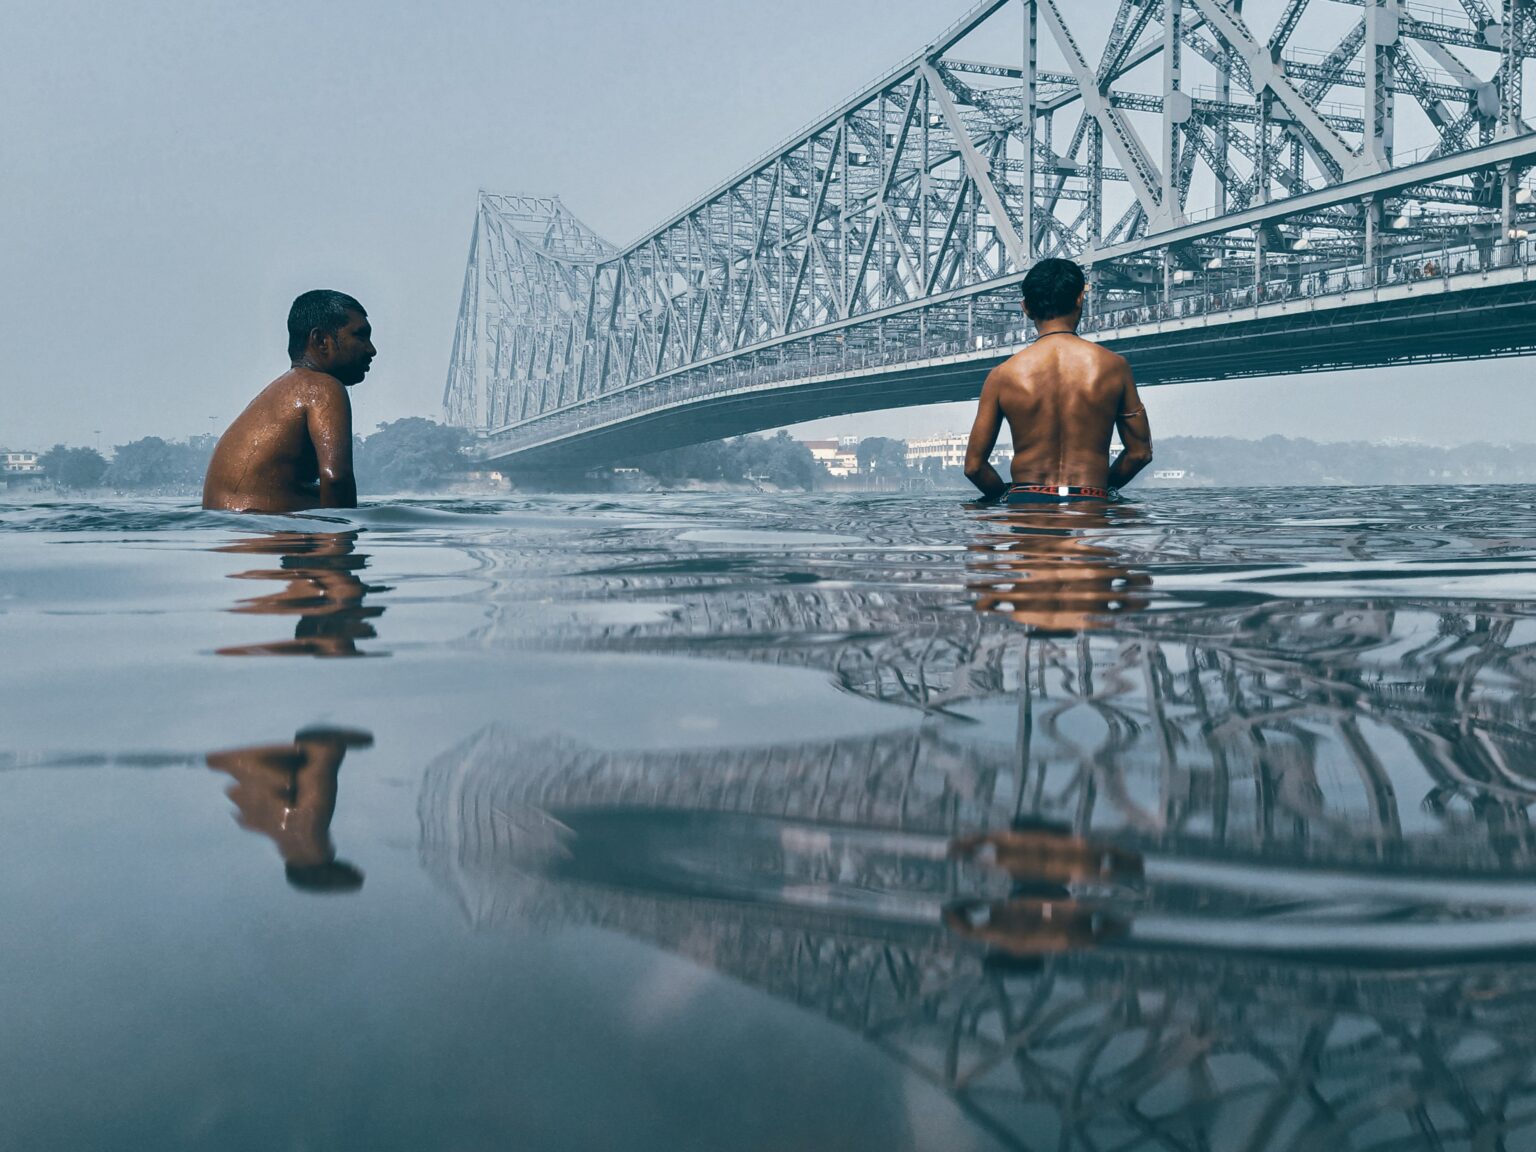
(1329, 937)
(1243, 715)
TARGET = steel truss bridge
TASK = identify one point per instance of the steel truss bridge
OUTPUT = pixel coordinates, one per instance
(1261, 187)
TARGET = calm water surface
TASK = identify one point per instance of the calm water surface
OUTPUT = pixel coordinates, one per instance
(727, 822)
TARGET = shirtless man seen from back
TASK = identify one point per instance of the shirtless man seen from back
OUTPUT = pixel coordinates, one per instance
(292, 446)
(1062, 397)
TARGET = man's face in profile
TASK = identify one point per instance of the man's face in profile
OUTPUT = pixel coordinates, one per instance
(351, 349)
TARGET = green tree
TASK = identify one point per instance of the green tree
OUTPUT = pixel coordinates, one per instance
(410, 455)
(153, 463)
(73, 467)
(781, 460)
(882, 457)
(714, 460)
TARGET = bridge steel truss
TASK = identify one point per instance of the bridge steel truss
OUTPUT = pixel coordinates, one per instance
(1207, 174)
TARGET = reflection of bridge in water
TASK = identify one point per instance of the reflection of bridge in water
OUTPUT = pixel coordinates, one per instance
(1255, 1009)
(1241, 718)
(1331, 942)
(1320, 191)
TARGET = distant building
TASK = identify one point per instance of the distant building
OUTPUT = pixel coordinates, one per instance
(949, 450)
(1170, 474)
(19, 463)
(840, 457)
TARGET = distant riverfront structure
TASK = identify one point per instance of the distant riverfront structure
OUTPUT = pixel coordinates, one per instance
(1250, 202)
(840, 457)
(19, 464)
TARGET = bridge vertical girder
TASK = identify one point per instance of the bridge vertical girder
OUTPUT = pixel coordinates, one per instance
(1512, 50)
(1029, 98)
(1381, 29)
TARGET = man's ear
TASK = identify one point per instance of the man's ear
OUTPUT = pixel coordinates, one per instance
(1082, 295)
(320, 340)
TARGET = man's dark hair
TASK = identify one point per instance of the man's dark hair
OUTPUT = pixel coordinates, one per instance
(322, 309)
(1051, 289)
(336, 876)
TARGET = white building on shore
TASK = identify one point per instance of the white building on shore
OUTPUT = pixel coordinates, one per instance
(841, 457)
(949, 450)
(19, 463)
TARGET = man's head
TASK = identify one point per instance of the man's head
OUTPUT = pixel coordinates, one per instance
(329, 332)
(1053, 290)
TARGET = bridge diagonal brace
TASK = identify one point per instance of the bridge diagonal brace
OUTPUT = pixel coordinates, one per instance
(946, 240)
(1130, 21)
(1332, 65)
(1286, 25)
(977, 167)
(1144, 177)
(1269, 73)
(818, 203)
(894, 233)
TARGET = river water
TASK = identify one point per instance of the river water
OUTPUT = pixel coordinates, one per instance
(760, 822)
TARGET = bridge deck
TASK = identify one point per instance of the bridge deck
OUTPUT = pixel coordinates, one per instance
(1477, 313)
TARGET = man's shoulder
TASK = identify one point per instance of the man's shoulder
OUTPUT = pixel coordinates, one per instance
(1021, 360)
(308, 385)
(1107, 362)
(1018, 363)
(1103, 353)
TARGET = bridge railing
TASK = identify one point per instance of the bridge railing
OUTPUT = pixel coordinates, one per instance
(1214, 295)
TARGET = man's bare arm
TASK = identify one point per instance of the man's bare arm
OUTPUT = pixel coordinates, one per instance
(330, 430)
(1135, 434)
(989, 421)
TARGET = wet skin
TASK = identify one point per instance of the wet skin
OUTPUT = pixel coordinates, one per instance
(291, 448)
(287, 792)
(1038, 565)
(1062, 398)
(320, 586)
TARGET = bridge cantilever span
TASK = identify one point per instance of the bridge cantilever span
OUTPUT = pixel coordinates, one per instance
(873, 261)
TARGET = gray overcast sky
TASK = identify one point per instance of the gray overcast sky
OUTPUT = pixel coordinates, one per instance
(172, 174)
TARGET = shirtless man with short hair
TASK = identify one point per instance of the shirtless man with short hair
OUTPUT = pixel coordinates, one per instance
(291, 448)
(1062, 396)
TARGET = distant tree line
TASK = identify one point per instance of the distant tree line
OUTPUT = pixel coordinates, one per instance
(420, 455)
(1226, 461)
(882, 458)
(72, 467)
(409, 455)
(779, 460)
(1215, 460)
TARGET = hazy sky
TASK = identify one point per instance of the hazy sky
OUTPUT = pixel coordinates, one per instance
(172, 174)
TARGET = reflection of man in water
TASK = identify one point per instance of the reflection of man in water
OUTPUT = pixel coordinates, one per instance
(1062, 397)
(320, 586)
(292, 446)
(1037, 566)
(287, 792)
(1043, 914)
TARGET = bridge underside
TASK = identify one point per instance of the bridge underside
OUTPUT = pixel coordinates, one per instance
(1437, 325)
